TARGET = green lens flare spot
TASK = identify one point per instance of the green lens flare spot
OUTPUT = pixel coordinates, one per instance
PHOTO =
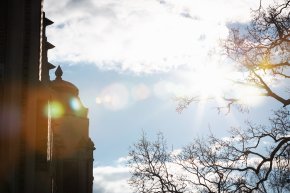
(54, 109)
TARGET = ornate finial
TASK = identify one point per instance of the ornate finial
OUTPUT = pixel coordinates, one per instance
(58, 73)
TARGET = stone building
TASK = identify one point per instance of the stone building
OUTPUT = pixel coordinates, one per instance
(44, 141)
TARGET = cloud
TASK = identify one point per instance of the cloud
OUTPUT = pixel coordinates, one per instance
(140, 36)
(111, 179)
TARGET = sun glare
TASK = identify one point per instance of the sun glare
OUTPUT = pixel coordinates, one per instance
(209, 81)
(215, 82)
(249, 95)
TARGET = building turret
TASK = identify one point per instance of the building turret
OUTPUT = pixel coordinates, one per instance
(72, 159)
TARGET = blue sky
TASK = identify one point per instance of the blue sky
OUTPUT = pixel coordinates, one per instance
(129, 58)
(114, 130)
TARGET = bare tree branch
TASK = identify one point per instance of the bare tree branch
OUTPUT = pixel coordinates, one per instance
(262, 47)
(247, 161)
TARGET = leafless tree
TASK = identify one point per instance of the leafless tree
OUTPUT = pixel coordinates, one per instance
(253, 160)
(150, 162)
(279, 178)
(262, 52)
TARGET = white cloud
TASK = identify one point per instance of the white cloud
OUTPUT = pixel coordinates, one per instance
(140, 36)
(123, 160)
(114, 178)
(111, 179)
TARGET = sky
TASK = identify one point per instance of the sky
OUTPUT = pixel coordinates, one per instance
(131, 58)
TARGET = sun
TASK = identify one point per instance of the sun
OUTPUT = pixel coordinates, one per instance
(209, 81)
(217, 82)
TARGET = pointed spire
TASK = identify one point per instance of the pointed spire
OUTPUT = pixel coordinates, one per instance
(48, 45)
(50, 66)
(47, 22)
(58, 73)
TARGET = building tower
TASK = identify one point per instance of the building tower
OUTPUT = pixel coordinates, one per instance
(20, 38)
(71, 149)
(40, 151)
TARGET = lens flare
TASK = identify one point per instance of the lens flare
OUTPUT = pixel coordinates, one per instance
(114, 97)
(98, 100)
(75, 104)
(54, 109)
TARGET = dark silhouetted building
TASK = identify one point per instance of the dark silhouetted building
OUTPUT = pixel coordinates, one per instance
(44, 141)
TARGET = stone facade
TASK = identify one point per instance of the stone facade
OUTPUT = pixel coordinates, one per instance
(44, 141)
